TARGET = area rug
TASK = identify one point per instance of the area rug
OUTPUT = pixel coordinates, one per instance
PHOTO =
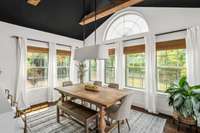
(44, 121)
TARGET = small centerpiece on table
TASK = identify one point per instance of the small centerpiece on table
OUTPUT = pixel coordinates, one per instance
(91, 87)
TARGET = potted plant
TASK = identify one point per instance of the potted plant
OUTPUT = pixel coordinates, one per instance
(81, 71)
(185, 100)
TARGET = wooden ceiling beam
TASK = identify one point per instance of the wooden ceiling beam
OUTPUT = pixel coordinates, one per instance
(108, 10)
(33, 2)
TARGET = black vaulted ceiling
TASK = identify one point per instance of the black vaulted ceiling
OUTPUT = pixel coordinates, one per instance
(62, 16)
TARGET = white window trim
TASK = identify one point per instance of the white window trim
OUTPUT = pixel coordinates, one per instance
(117, 15)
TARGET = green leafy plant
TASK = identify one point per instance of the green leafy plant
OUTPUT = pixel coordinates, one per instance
(184, 98)
(81, 71)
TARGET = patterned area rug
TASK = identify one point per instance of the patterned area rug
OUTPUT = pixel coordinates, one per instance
(44, 121)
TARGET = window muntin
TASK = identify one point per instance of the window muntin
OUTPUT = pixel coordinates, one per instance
(63, 66)
(92, 70)
(171, 63)
(110, 67)
(126, 25)
(37, 67)
(135, 66)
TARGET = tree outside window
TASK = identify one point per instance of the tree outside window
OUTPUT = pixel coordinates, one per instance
(63, 66)
(171, 63)
(37, 67)
(92, 70)
(110, 67)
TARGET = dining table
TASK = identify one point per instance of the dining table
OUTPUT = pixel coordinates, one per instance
(103, 98)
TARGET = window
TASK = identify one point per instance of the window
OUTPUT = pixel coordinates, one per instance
(171, 62)
(63, 66)
(126, 25)
(92, 70)
(135, 66)
(110, 67)
(37, 67)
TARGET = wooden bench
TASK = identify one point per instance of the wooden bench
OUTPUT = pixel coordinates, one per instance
(78, 112)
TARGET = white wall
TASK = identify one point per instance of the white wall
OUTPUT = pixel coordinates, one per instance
(8, 56)
(160, 20)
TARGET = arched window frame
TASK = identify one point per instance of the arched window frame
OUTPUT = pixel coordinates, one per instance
(117, 16)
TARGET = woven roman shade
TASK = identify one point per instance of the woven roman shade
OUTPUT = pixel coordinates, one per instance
(37, 49)
(134, 49)
(111, 51)
(170, 45)
(63, 52)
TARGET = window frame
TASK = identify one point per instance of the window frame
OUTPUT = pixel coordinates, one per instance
(90, 70)
(114, 18)
(138, 46)
(68, 67)
(158, 48)
(45, 50)
(112, 54)
(126, 76)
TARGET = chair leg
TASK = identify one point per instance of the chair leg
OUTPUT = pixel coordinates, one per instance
(178, 127)
(118, 123)
(97, 123)
(128, 124)
(58, 115)
(25, 124)
(86, 128)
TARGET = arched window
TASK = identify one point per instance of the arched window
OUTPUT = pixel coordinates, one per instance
(126, 25)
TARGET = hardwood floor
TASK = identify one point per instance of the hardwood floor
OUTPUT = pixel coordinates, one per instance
(170, 126)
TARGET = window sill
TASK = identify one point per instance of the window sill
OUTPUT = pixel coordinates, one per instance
(135, 89)
(33, 89)
(162, 93)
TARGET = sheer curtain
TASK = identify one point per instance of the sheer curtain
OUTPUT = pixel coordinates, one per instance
(52, 75)
(193, 55)
(150, 82)
(21, 73)
(120, 65)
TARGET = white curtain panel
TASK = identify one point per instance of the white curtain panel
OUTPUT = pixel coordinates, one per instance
(52, 75)
(120, 66)
(21, 74)
(150, 79)
(193, 55)
(73, 74)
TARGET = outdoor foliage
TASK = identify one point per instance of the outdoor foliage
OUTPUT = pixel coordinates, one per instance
(92, 70)
(170, 67)
(110, 69)
(81, 71)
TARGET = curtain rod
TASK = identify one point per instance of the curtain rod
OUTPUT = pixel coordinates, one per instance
(37, 40)
(63, 45)
(30, 39)
(170, 32)
(159, 34)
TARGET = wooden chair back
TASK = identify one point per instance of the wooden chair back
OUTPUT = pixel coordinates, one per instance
(67, 83)
(97, 83)
(113, 85)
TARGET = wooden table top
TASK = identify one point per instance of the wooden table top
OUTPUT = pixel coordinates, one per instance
(104, 97)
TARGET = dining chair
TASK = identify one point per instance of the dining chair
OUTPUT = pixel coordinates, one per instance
(113, 85)
(97, 83)
(67, 83)
(121, 112)
(20, 115)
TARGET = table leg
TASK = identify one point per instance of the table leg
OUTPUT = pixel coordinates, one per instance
(102, 122)
(62, 100)
(62, 97)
